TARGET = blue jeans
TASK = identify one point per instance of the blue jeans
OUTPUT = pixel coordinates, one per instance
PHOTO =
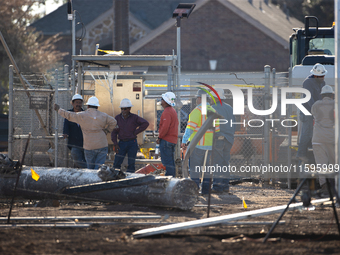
(167, 151)
(78, 157)
(196, 168)
(221, 157)
(306, 134)
(95, 158)
(130, 148)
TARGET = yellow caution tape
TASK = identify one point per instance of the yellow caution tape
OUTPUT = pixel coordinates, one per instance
(112, 52)
(237, 85)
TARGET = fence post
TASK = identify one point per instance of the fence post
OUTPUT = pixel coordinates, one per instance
(10, 112)
(170, 84)
(67, 86)
(56, 121)
(66, 83)
(274, 133)
(80, 85)
(266, 123)
(289, 177)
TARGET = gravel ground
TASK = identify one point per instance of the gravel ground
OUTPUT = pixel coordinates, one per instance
(304, 231)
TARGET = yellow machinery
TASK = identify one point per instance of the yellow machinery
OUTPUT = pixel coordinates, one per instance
(111, 91)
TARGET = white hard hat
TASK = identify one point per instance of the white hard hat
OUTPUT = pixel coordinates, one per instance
(327, 90)
(220, 92)
(93, 101)
(77, 96)
(125, 103)
(169, 98)
(318, 70)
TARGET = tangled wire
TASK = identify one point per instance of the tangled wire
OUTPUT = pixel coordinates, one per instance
(8, 166)
(108, 174)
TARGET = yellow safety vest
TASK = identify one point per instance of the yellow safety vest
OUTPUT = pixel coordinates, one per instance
(195, 122)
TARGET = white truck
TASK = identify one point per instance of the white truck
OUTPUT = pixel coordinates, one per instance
(311, 45)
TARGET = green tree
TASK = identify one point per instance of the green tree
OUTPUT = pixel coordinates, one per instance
(322, 9)
(30, 51)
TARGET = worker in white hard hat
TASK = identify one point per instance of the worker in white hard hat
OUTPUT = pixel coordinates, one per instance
(168, 133)
(95, 126)
(129, 125)
(73, 132)
(314, 84)
(324, 132)
(223, 142)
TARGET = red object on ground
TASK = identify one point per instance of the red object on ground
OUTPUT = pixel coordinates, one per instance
(149, 168)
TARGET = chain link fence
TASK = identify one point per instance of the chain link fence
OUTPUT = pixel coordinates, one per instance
(259, 140)
(31, 111)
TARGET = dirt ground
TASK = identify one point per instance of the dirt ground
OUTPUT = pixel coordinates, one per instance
(304, 232)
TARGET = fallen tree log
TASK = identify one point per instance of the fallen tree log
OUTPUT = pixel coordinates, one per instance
(66, 183)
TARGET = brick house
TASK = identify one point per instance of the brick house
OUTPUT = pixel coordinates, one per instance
(241, 35)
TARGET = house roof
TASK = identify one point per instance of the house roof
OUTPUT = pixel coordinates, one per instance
(157, 15)
(151, 13)
(267, 18)
(57, 22)
(154, 12)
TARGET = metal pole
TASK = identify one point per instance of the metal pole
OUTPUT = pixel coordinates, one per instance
(31, 149)
(17, 179)
(169, 78)
(56, 121)
(273, 133)
(80, 85)
(178, 24)
(66, 84)
(85, 184)
(285, 210)
(213, 151)
(178, 83)
(10, 112)
(337, 90)
(9, 54)
(266, 125)
(289, 153)
(174, 77)
(329, 188)
(73, 51)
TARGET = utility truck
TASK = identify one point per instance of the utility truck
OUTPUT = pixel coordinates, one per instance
(308, 46)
